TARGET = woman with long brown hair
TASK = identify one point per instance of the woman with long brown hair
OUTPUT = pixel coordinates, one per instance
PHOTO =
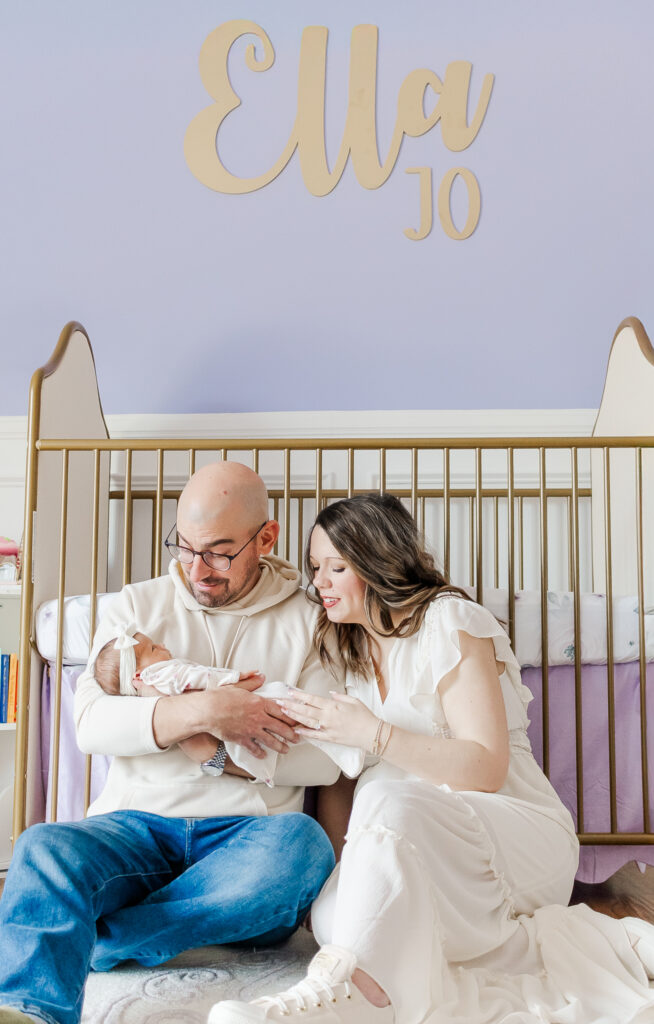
(449, 903)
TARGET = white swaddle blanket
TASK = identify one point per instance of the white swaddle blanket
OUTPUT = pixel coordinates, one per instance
(178, 675)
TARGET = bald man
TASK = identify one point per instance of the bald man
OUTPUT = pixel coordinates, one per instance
(175, 854)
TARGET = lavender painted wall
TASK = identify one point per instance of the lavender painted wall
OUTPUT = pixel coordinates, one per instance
(196, 301)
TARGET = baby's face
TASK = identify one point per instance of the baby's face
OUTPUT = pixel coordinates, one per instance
(148, 653)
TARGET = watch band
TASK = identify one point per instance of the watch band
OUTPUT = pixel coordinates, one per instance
(216, 764)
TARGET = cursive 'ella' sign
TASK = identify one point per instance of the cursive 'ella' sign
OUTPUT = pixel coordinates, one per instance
(359, 140)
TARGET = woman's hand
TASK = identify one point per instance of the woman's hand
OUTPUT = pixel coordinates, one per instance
(337, 719)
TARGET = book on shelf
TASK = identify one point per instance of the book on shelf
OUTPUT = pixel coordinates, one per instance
(13, 688)
(8, 687)
(4, 686)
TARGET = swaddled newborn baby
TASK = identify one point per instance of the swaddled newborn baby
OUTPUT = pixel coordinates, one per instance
(133, 665)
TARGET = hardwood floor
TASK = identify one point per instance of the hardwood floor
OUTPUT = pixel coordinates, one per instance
(628, 893)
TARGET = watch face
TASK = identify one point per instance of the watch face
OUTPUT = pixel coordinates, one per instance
(211, 769)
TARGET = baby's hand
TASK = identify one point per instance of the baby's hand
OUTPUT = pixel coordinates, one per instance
(256, 674)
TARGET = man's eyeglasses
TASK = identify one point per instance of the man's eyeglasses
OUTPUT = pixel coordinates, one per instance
(214, 559)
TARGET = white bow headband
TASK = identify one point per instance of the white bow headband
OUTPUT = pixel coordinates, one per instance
(126, 644)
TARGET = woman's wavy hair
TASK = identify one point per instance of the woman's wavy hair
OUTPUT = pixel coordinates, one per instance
(379, 539)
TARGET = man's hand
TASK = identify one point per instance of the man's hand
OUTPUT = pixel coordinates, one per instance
(232, 712)
(239, 715)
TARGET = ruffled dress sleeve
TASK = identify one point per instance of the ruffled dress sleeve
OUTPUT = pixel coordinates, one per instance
(445, 618)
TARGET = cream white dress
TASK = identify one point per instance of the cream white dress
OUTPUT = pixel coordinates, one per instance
(456, 902)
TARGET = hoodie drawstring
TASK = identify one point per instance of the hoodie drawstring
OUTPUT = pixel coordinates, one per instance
(228, 660)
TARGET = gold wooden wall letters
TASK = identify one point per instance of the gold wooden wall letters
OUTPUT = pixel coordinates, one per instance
(360, 135)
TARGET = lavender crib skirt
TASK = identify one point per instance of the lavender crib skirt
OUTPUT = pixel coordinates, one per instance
(72, 762)
(596, 862)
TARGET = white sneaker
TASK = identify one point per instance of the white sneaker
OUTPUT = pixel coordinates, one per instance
(326, 996)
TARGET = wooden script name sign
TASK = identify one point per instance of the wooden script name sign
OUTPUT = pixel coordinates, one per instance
(359, 142)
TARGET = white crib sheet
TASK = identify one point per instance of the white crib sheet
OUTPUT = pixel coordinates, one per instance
(560, 626)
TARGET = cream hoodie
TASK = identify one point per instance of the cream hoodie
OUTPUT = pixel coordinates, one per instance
(269, 629)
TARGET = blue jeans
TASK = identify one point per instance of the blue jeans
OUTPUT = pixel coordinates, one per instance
(135, 886)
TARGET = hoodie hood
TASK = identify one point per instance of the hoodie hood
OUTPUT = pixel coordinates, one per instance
(279, 580)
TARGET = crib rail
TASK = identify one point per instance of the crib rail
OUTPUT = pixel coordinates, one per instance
(568, 514)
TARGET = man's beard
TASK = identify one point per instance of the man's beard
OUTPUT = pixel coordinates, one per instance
(215, 600)
(231, 589)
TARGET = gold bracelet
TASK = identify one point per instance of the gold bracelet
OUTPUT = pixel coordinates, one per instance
(375, 743)
(382, 749)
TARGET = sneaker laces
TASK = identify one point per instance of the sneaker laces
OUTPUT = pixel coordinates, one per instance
(307, 992)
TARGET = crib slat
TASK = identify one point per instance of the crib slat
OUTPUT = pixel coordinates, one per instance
(414, 483)
(318, 480)
(576, 597)
(94, 592)
(127, 520)
(94, 543)
(496, 543)
(511, 543)
(610, 680)
(471, 540)
(158, 515)
(446, 510)
(570, 545)
(287, 503)
(642, 653)
(479, 498)
(276, 517)
(56, 710)
(544, 567)
(521, 549)
(300, 533)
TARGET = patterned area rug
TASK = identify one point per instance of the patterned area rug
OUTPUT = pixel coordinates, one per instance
(183, 990)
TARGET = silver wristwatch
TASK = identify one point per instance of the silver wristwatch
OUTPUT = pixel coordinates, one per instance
(216, 764)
